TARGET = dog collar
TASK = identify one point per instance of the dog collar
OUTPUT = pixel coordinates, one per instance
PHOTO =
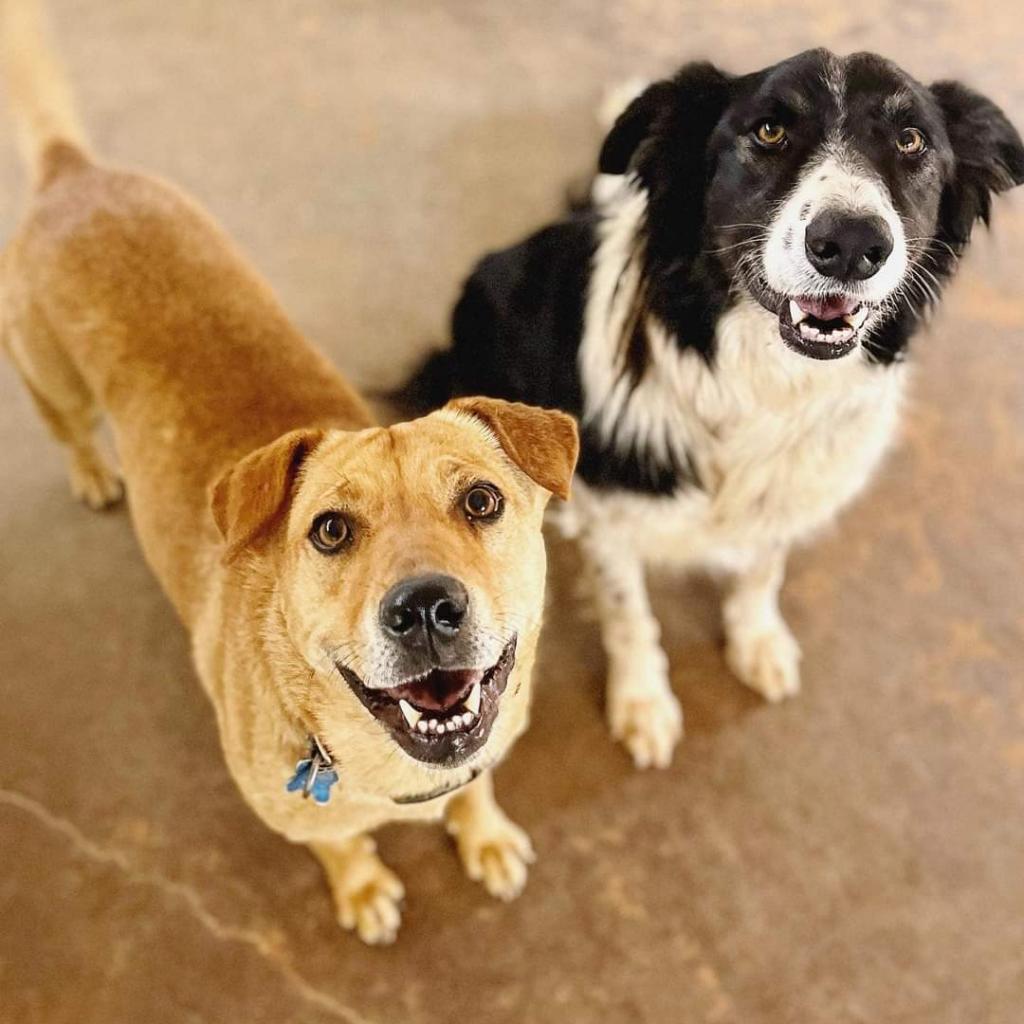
(315, 774)
(434, 794)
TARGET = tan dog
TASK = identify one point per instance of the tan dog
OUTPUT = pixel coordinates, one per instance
(363, 601)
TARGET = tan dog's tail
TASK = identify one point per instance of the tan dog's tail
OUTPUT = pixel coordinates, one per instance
(49, 135)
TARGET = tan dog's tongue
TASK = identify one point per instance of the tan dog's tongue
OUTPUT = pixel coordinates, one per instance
(831, 307)
(439, 691)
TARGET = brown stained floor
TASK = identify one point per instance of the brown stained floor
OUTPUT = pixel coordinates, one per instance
(856, 855)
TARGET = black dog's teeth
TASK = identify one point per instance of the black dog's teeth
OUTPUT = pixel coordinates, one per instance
(810, 325)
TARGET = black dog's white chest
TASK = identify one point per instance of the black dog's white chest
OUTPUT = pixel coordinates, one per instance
(776, 445)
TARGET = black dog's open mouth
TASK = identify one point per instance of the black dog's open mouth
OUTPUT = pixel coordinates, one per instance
(822, 328)
(443, 716)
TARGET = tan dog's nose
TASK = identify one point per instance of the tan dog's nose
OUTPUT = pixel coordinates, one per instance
(425, 612)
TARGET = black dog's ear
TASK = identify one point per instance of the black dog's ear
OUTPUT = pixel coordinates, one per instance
(699, 92)
(989, 158)
(632, 126)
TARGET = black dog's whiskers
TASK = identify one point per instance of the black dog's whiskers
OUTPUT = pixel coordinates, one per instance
(745, 243)
(925, 244)
(921, 281)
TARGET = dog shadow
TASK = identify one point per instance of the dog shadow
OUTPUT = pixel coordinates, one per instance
(568, 754)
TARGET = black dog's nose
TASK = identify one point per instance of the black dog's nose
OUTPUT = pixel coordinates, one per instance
(424, 610)
(847, 247)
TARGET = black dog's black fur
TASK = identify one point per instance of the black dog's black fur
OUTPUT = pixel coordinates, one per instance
(517, 328)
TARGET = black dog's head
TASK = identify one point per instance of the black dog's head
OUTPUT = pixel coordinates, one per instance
(836, 191)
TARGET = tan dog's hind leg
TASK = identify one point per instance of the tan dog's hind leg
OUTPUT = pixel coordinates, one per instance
(68, 408)
(760, 648)
(366, 892)
(493, 850)
(643, 713)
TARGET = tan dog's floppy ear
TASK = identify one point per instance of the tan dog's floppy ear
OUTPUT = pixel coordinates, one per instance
(543, 443)
(254, 493)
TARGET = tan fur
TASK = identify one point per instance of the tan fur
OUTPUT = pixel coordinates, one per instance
(39, 95)
(545, 449)
(233, 433)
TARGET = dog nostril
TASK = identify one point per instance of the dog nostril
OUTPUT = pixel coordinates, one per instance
(399, 619)
(825, 249)
(448, 615)
(875, 255)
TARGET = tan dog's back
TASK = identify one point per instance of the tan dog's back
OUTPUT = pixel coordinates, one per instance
(119, 290)
(177, 338)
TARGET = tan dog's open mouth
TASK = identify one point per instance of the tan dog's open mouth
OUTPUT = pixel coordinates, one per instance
(443, 716)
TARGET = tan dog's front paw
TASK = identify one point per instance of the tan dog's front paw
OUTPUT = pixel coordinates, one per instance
(648, 720)
(370, 904)
(767, 662)
(92, 481)
(495, 852)
(367, 894)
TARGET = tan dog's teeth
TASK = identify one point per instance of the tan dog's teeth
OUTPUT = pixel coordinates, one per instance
(412, 716)
(418, 721)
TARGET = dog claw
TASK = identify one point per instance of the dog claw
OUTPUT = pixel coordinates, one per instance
(93, 482)
(768, 663)
(497, 853)
(369, 903)
(648, 721)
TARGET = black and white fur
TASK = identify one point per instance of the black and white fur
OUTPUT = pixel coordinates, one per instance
(716, 431)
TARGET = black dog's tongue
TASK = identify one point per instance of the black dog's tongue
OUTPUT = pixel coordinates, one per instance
(828, 307)
(439, 690)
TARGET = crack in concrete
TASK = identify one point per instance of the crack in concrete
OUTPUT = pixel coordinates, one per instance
(260, 943)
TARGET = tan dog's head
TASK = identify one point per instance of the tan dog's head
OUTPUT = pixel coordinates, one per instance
(407, 567)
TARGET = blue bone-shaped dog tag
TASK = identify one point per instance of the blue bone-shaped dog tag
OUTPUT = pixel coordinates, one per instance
(314, 775)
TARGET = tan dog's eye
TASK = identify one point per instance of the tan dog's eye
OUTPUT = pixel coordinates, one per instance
(329, 532)
(771, 134)
(911, 142)
(482, 501)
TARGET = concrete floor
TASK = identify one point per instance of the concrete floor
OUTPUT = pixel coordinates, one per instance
(853, 856)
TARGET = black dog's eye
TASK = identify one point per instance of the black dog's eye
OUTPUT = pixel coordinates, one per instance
(482, 501)
(911, 142)
(770, 134)
(329, 532)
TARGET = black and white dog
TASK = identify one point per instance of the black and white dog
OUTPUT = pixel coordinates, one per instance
(729, 324)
